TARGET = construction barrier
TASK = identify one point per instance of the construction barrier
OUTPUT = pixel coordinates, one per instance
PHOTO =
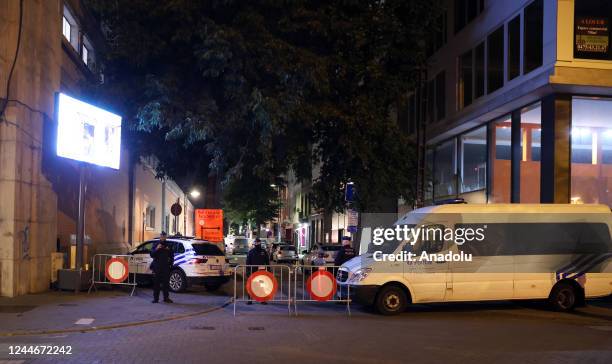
(263, 283)
(288, 284)
(313, 283)
(114, 270)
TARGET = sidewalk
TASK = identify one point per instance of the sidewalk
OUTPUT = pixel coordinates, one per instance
(56, 311)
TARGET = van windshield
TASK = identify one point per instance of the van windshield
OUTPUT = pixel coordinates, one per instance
(241, 242)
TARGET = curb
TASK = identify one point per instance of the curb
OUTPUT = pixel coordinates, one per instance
(114, 326)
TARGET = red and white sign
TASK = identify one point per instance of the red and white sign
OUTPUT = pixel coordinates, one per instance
(321, 285)
(262, 286)
(116, 270)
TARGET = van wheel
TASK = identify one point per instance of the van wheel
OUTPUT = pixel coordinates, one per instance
(563, 297)
(391, 300)
(178, 281)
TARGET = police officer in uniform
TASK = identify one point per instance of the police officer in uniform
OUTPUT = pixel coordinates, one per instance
(163, 260)
(256, 256)
(346, 253)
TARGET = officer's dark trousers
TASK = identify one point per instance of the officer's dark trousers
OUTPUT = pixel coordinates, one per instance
(161, 280)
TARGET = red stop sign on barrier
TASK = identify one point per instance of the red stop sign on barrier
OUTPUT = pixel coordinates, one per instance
(116, 270)
(262, 286)
(321, 285)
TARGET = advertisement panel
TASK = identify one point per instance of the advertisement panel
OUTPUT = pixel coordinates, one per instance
(87, 133)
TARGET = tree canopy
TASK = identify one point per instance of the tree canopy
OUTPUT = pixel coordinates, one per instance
(252, 89)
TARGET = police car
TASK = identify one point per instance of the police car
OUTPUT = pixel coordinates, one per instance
(195, 262)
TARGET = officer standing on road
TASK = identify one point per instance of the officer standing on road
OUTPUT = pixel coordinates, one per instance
(346, 253)
(256, 256)
(163, 260)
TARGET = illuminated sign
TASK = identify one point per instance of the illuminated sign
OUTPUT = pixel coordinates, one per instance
(592, 37)
(210, 224)
(87, 133)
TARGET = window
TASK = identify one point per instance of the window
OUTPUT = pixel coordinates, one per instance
(530, 147)
(592, 29)
(150, 217)
(514, 47)
(70, 29)
(466, 11)
(539, 239)
(438, 37)
(207, 249)
(85, 55)
(500, 160)
(440, 96)
(445, 183)
(495, 60)
(479, 70)
(473, 163)
(431, 102)
(145, 248)
(465, 79)
(591, 150)
(533, 33)
(66, 28)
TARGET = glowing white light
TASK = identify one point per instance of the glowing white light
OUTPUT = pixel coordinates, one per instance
(580, 132)
(87, 133)
(194, 193)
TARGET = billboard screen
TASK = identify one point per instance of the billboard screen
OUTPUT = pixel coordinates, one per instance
(87, 133)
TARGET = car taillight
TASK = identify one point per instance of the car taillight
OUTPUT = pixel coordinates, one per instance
(198, 261)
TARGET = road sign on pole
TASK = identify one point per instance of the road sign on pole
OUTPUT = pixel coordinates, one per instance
(211, 224)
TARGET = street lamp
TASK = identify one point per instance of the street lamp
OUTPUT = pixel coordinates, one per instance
(194, 193)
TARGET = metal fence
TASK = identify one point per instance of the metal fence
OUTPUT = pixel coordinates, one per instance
(279, 292)
(313, 283)
(113, 269)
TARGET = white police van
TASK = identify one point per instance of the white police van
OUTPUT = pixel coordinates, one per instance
(195, 262)
(560, 253)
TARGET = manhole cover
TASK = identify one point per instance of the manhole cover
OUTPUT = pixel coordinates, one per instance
(202, 328)
(256, 328)
(68, 304)
(16, 309)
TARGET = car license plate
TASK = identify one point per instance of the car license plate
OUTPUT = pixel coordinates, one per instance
(215, 267)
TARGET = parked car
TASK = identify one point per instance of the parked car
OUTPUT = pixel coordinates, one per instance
(329, 253)
(285, 253)
(241, 245)
(195, 262)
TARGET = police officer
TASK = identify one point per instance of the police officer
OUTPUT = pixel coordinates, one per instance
(346, 253)
(163, 260)
(256, 256)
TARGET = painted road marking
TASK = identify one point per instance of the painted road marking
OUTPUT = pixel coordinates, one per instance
(84, 321)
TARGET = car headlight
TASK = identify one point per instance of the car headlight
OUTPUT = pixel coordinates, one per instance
(360, 274)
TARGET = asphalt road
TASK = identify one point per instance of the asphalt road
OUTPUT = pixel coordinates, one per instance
(504, 332)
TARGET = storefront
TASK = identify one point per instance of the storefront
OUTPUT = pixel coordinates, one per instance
(556, 150)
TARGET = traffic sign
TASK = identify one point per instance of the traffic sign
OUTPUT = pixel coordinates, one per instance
(262, 286)
(176, 209)
(321, 285)
(211, 224)
(116, 270)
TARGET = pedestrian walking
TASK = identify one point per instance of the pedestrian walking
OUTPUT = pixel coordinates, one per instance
(257, 256)
(163, 260)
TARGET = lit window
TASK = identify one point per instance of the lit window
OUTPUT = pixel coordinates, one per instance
(66, 28)
(85, 54)
(150, 217)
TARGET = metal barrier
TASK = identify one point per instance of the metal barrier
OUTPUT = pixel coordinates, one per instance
(113, 269)
(279, 276)
(314, 283)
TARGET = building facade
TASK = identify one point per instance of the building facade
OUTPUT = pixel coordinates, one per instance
(516, 104)
(48, 47)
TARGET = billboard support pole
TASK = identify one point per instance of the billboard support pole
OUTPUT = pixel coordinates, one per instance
(81, 218)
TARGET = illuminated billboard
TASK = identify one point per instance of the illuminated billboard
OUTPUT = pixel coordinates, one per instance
(87, 133)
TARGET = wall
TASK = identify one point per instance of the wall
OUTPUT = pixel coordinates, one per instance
(27, 202)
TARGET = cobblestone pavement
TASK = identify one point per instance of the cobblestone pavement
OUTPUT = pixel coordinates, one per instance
(487, 332)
